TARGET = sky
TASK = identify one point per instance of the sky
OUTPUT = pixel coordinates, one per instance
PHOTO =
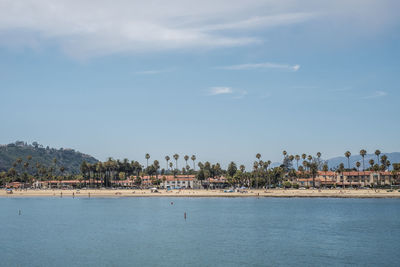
(221, 79)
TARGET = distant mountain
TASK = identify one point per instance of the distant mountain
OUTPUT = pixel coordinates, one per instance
(68, 158)
(393, 157)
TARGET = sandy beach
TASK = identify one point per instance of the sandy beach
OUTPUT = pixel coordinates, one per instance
(334, 193)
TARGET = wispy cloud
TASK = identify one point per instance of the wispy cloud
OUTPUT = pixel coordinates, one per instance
(220, 90)
(239, 94)
(224, 90)
(149, 72)
(265, 65)
(92, 28)
(376, 94)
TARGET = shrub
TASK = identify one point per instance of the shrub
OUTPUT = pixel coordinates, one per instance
(287, 184)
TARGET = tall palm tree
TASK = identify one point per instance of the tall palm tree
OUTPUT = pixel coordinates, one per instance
(242, 168)
(193, 158)
(297, 157)
(258, 156)
(371, 163)
(284, 153)
(325, 168)
(291, 158)
(255, 168)
(319, 158)
(167, 158)
(147, 156)
(377, 153)
(176, 157)
(358, 164)
(186, 158)
(309, 157)
(384, 160)
(363, 152)
(347, 154)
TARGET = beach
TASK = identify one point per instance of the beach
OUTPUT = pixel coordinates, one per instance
(323, 193)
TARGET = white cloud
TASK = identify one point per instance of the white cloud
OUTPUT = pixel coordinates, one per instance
(376, 94)
(223, 90)
(220, 90)
(85, 28)
(265, 65)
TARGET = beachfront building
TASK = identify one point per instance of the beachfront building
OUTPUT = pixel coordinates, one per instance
(218, 182)
(349, 179)
(179, 181)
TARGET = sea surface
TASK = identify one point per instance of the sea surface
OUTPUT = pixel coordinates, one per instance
(216, 232)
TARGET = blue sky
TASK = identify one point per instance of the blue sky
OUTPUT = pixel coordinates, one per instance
(223, 80)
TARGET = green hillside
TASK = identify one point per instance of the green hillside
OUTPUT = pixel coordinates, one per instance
(25, 157)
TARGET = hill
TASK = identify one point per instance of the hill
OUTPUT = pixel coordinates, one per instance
(67, 158)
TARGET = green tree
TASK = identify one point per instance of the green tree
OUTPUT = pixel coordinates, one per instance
(193, 158)
(147, 157)
(325, 169)
(363, 153)
(232, 169)
(176, 157)
(186, 158)
(297, 158)
(377, 153)
(347, 154)
(167, 158)
(358, 164)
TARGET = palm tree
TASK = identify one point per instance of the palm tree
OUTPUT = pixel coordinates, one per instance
(176, 157)
(325, 168)
(319, 158)
(186, 158)
(363, 152)
(377, 153)
(340, 170)
(167, 158)
(297, 157)
(193, 158)
(384, 162)
(255, 168)
(258, 156)
(242, 168)
(156, 165)
(291, 158)
(347, 154)
(62, 170)
(147, 156)
(371, 162)
(358, 164)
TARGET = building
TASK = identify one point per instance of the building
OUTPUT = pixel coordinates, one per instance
(350, 179)
(180, 181)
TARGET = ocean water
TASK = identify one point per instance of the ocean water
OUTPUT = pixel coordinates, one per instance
(216, 232)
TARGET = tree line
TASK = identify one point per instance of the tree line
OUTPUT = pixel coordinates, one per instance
(262, 174)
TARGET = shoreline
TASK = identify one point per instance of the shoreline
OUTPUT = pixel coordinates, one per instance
(271, 193)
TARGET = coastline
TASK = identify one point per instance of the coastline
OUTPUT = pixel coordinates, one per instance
(278, 193)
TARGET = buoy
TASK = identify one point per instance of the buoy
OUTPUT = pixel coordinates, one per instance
(184, 215)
